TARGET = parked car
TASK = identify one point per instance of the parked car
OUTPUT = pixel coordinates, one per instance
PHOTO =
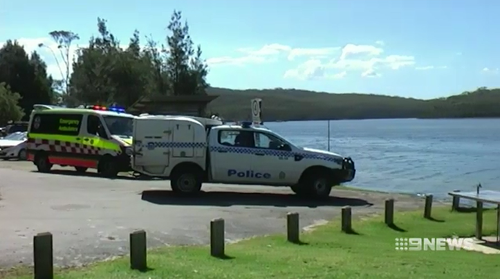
(18, 126)
(13, 146)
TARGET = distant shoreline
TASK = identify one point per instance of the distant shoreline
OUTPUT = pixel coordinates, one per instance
(442, 118)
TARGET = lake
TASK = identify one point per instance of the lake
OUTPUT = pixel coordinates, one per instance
(420, 156)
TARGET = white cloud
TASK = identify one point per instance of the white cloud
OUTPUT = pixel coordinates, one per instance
(370, 73)
(493, 71)
(312, 69)
(353, 50)
(424, 68)
(271, 52)
(380, 43)
(367, 60)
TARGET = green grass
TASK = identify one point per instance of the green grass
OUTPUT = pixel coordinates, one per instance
(326, 253)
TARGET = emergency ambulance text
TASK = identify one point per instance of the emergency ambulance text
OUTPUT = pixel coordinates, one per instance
(248, 173)
(68, 125)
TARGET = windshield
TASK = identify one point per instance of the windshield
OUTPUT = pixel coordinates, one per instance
(15, 136)
(119, 125)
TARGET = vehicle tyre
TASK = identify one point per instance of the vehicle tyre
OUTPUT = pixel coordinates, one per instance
(42, 163)
(22, 155)
(317, 184)
(107, 167)
(186, 182)
(80, 169)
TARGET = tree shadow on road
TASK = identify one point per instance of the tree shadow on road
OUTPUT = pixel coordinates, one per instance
(216, 198)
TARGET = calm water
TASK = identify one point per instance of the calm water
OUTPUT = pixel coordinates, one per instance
(410, 155)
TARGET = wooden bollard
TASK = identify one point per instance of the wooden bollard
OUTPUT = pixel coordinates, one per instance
(346, 219)
(389, 212)
(428, 207)
(217, 238)
(479, 220)
(43, 256)
(455, 205)
(138, 250)
(292, 227)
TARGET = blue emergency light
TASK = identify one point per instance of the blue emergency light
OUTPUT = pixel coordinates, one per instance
(246, 124)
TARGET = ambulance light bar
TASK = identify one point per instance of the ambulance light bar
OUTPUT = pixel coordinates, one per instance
(111, 108)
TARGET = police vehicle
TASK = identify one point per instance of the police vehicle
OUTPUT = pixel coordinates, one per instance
(191, 150)
(89, 137)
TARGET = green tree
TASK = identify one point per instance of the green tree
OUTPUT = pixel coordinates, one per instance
(64, 39)
(9, 110)
(90, 81)
(104, 73)
(26, 75)
(186, 70)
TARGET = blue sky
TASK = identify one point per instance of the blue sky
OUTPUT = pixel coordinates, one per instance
(413, 48)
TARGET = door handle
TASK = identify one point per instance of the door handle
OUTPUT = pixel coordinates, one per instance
(259, 154)
(222, 151)
(78, 139)
(86, 139)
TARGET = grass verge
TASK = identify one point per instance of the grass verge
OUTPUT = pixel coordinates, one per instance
(325, 253)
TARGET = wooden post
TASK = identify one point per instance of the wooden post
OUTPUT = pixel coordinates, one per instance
(217, 238)
(389, 212)
(479, 220)
(455, 205)
(346, 219)
(43, 256)
(428, 207)
(292, 227)
(138, 250)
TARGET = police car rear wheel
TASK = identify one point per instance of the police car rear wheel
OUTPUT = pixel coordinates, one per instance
(186, 183)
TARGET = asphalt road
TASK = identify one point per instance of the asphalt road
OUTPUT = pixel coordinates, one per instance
(91, 217)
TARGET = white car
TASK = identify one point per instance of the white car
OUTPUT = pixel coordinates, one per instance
(13, 146)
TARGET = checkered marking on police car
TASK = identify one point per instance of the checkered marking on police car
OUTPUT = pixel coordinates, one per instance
(166, 144)
(276, 153)
(62, 146)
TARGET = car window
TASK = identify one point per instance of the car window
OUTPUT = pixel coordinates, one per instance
(264, 140)
(239, 138)
(95, 127)
(15, 136)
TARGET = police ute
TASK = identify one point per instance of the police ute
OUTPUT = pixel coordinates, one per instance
(192, 150)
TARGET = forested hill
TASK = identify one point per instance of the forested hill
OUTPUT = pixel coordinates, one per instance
(292, 104)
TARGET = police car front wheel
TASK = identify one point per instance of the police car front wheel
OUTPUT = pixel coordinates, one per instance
(315, 185)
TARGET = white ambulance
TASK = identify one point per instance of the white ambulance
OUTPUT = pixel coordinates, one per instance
(191, 150)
